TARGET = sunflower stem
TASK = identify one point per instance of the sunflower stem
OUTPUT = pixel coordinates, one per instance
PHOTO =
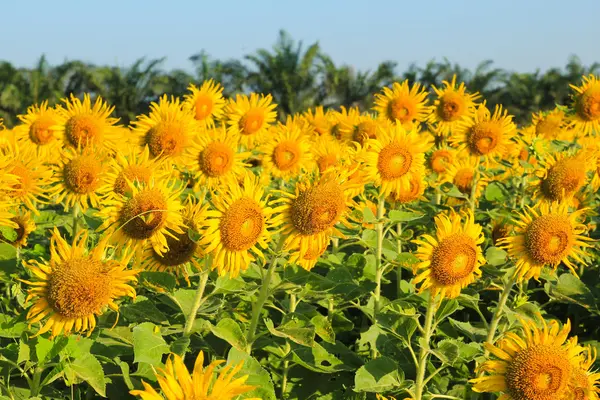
(424, 351)
(75, 213)
(288, 348)
(498, 313)
(189, 323)
(473, 194)
(378, 256)
(258, 305)
(399, 267)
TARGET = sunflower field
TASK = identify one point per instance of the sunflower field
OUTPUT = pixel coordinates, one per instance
(427, 248)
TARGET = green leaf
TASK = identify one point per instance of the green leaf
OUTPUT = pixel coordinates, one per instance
(229, 330)
(11, 327)
(148, 344)
(447, 308)
(571, 289)
(92, 221)
(160, 280)
(495, 256)
(295, 327)
(125, 372)
(454, 192)
(180, 345)
(379, 375)
(185, 299)
(323, 328)
(89, 369)
(494, 192)
(257, 375)
(396, 216)
(368, 216)
(447, 351)
(142, 310)
(7, 252)
(8, 233)
(46, 350)
(318, 359)
(225, 284)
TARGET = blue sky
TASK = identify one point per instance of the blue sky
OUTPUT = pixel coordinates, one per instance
(517, 34)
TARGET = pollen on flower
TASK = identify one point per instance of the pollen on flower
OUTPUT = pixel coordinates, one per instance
(394, 161)
(144, 214)
(549, 238)
(216, 159)
(82, 129)
(82, 174)
(454, 259)
(242, 224)
(167, 138)
(286, 154)
(318, 208)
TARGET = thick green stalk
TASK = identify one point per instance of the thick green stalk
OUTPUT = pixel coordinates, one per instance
(399, 267)
(425, 349)
(75, 213)
(189, 323)
(498, 313)
(378, 256)
(288, 348)
(258, 305)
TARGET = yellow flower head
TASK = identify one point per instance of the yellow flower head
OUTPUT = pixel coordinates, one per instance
(586, 104)
(465, 174)
(24, 227)
(207, 103)
(414, 191)
(75, 285)
(287, 153)
(250, 118)
(452, 259)
(38, 131)
(439, 159)
(344, 123)
(550, 125)
(318, 121)
(403, 104)
(328, 152)
(452, 105)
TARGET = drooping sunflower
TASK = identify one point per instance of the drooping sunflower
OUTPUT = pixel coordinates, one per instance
(146, 214)
(178, 384)
(328, 152)
(311, 213)
(318, 121)
(214, 158)
(37, 131)
(250, 118)
(167, 130)
(24, 227)
(77, 178)
(536, 365)
(484, 134)
(452, 259)
(452, 105)
(389, 159)
(586, 104)
(403, 104)
(82, 124)
(76, 285)
(546, 235)
(414, 191)
(206, 103)
(181, 251)
(287, 154)
(239, 227)
(465, 174)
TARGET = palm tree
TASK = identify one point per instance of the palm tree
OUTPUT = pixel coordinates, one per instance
(231, 74)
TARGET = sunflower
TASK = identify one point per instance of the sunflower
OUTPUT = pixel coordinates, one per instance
(414, 191)
(452, 259)
(167, 130)
(345, 122)
(147, 214)
(311, 213)
(83, 125)
(213, 158)
(24, 226)
(452, 105)
(75, 285)
(550, 125)
(362, 128)
(250, 118)
(181, 249)
(328, 152)
(439, 159)
(586, 104)
(403, 104)
(484, 134)
(585, 384)
(546, 235)
(464, 173)
(536, 365)
(390, 159)
(38, 131)
(177, 383)
(500, 229)
(287, 154)
(77, 178)
(207, 103)
(239, 227)
(318, 121)
(562, 175)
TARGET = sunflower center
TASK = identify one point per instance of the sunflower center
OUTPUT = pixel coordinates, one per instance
(181, 250)
(588, 105)
(538, 373)
(451, 107)
(133, 173)
(144, 214)
(394, 161)
(82, 174)
(402, 109)
(242, 224)
(40, 132)
(364, 131)
(548, 127)
(454, 259)
(81, 130)
(79, 287)
(204, 106)
(167, 138)
(463, 180)
(440, 160)
(413, 192)
(326, 161)
(286, 155)
(318, 208)
(564, 178)
(252, 121)
(549, 238)
(216, 159)
(484, 137)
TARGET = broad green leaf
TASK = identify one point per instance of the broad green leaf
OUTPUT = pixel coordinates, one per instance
(11, 327)
(46, 350)
(141, 311)
(180, 345)
(7, 233)
(229, 330)
(447, 308)
(396, 216)
(257, 375)
(318, 359)
(368, 216)
(447, 351)
(495, 256)
(494, 192)
(570, 288)
(323, 328)
(160, 281)
(148, 344)
(379, 375)
(89, 369)
(295, 327)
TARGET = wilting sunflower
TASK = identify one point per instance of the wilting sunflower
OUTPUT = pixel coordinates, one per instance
(311, 213)
(403, 104)
(536, 365)
(586, 103)
(328, 152)
(77, 178)
(250, 118)
(484, 134)
(37, 131)
(287, 154)
(75, 285)
(125, 169)
(147, 214)
(24, 226)
(167, 130)
(181, 251)
(178, 384)
(414, 191)
(82, 124)
(465, 174)
(389, 159)
(546, 235)
(439, 159)
(319, 121)
(206, 103)
(452, 105)
(452, 259)
(214, 158)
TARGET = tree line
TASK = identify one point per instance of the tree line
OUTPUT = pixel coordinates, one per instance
(297, 76)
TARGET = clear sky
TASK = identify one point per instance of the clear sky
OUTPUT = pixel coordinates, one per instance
(517, 34)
